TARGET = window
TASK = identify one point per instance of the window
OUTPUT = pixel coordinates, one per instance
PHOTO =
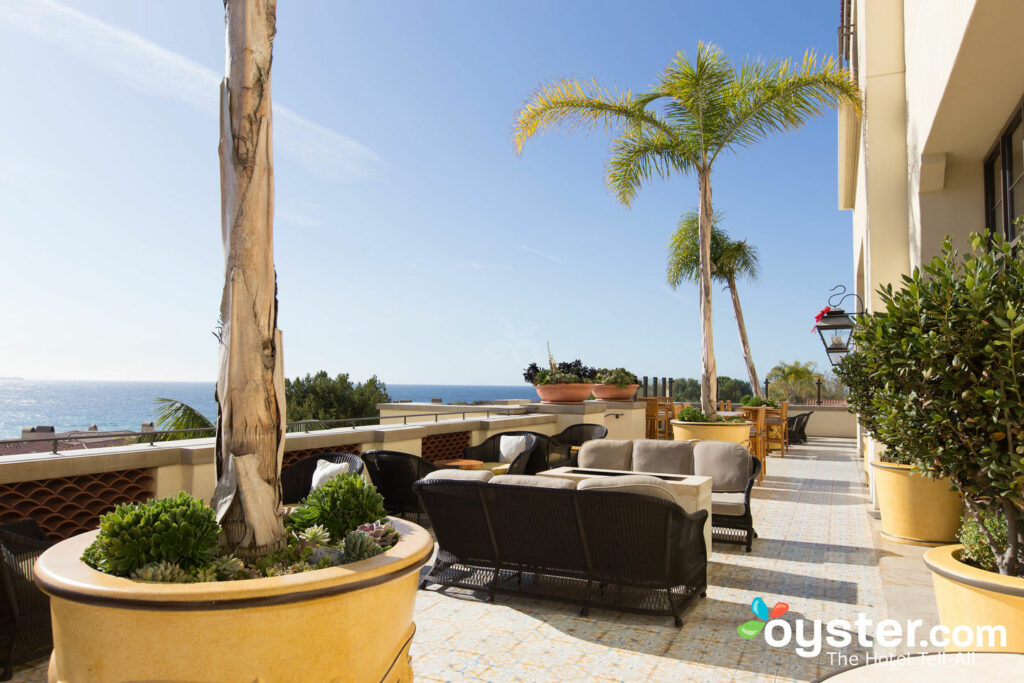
(1004, 178)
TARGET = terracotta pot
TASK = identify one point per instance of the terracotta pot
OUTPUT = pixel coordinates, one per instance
(610, 392)
(737, 432)
(915, 509)
(564, 393)
(971, 597)
(352, 622)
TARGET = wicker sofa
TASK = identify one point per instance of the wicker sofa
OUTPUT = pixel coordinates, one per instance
(25, 632)
(731, 467)
(604, 544)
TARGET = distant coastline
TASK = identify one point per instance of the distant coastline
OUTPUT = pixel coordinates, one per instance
(70, 405)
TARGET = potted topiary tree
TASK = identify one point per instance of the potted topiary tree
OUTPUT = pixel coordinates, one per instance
(174, 590)
(901, 492)
(615, 385)
(946, 359)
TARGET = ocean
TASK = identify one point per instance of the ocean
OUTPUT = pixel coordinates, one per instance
(70, 405)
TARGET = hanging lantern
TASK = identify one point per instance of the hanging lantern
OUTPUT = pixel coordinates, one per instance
(835, 327)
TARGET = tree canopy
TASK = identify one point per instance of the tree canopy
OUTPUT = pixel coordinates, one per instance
(321, 397)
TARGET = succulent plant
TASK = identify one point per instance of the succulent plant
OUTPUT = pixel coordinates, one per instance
(339, 505)
(204, 574)
(180, 530)
(360, 545)
(327, 556)
(162, 572)
(382, 532)
(229, 568)
(316, 534)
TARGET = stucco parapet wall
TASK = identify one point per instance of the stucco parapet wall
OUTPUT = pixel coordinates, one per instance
(444, 409)
(795, 408)
(33, 466)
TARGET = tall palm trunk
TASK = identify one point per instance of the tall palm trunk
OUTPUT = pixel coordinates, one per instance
(250, 384)
(708, 371)
(744, 342)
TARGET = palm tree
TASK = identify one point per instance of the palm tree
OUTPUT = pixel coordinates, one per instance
(709, 108)
(730, 260)
(173, 415)
(250, 384)
(794, 372)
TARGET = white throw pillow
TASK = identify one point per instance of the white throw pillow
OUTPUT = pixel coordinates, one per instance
(510, 447)
(327, 470)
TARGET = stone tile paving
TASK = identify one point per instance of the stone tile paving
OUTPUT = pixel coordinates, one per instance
(815, 553)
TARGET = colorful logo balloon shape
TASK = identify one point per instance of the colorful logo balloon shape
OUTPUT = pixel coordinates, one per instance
(751, 628)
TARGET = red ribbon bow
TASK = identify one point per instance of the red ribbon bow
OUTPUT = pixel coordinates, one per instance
(821, 314)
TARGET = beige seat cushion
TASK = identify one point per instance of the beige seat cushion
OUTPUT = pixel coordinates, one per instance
(460, 475)
(670, 457)
(728, 464)
(539, 482)
(606, 454)
(630, 483)
(728, 504)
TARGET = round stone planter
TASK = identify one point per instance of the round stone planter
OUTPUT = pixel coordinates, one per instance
(610, 392)
(915, 509)
(352, 622)
(737, 432)
(972, 597)
(564, 393)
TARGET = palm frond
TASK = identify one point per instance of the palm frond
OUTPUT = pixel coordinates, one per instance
(775, 96)
(171, 415)
(570, 105)
(697, 89)
(684, 249)
(636, 158)
(738, 260)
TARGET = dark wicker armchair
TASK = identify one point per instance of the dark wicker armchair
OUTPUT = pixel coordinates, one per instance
(394, 473)
(544, 455)
(296, 479)
(25, 632)
(733, 471)
(797, 427)
(577, 435)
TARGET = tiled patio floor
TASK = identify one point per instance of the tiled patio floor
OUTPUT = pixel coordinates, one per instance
(815, 553)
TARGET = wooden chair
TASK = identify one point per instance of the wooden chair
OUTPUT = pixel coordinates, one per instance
(650, 416)
(665, 417)
(758, 436)
(777, 429)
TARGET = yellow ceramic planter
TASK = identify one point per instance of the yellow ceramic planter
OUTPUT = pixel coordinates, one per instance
(348, 623)
(973, 598)
(737, 432)
(915, 509)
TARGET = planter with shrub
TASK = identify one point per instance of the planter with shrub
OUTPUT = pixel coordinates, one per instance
(945, 358)
(691, 424)
(616, 385)
(566, 382)
(152, 591)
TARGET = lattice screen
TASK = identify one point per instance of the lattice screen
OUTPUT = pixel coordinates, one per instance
(444, 446)
(67, 506)
(292, 457)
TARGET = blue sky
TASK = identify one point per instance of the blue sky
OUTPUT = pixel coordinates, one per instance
(411, 242)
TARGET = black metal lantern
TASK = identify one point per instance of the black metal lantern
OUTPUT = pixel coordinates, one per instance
(835, 327)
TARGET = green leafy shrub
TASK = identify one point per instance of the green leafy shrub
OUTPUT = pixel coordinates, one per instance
(181, 530)
(945, 360)
(339, 506)
(619, 377)
(755, 401)
(855, 370)
(977, 549)
(693, 414)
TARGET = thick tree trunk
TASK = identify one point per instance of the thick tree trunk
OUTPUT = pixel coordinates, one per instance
(708, 371)
(744, 342)
(250, 385)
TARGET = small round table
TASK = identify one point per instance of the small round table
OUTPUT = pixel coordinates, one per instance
(460, 463)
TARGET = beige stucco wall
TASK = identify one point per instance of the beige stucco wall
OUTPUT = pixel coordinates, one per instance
(831, 421)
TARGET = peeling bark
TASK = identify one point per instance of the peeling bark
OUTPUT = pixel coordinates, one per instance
(250, 384)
